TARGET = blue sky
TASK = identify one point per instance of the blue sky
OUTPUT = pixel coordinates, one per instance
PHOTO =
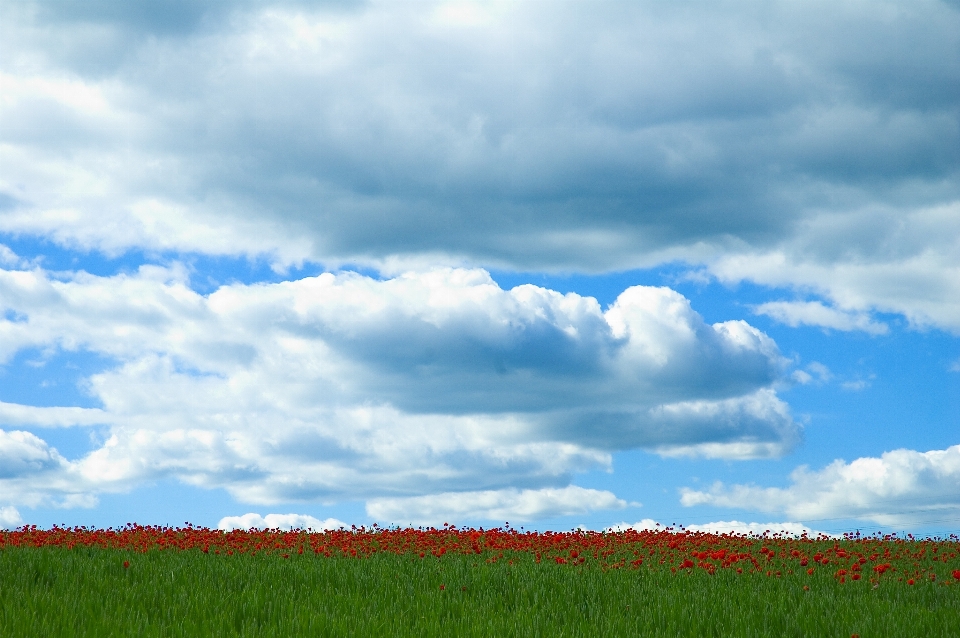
(557, 264)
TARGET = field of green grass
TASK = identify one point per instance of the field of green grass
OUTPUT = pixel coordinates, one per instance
(87, 591)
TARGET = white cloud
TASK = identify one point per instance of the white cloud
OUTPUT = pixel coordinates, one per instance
(811, 370)
(723, 527)
(814, 313)
(279, 521)
(23, 454)
(33, 473)
(496, 505)
(15, 414)
(823, 372)
(341, 386)
(902, 261)
(10, 518)
(755, 529)
(665, 134)
(640, 526)
(8, 257)
(902, 487)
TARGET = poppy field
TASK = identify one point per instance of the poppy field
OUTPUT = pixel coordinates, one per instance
(164, 581)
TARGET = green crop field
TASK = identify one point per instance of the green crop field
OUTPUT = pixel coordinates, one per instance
(468, 583)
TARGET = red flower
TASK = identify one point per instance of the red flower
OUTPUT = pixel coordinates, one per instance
(126, 564)
(909, 581)
(442, 587)
(956, 574)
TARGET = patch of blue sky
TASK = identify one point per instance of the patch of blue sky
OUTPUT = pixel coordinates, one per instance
(172, 502)
(13, 316)
(167, 502)
(51, 377)
(72, 443)
(55, 378)
(207, 272)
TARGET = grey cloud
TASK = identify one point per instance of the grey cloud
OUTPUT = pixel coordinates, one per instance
(159, 17)
(757, 425)
(22, 454)
(380, 132)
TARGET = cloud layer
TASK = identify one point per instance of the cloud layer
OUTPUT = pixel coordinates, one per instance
(278, 521)
(727, 527)
(494, 505)
(809, 147)
(759, 139)
(902, 487)
(342, 386)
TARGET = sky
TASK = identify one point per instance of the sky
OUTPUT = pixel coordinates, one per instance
(552, 264)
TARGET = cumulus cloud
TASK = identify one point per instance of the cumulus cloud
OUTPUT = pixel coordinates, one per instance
(902, 487)
(33, 473)
(10, 518)
(496, 505)
(342, 386)
(278, 521)
(590, 136)
(23, 454)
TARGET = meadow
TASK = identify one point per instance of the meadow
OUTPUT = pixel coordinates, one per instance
(153, 581)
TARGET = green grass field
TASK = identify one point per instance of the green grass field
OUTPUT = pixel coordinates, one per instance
(86, 591)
